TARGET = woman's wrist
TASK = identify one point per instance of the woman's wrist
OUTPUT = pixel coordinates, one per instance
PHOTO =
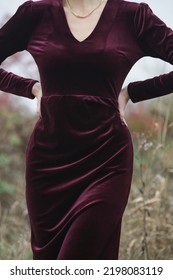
(126, 94)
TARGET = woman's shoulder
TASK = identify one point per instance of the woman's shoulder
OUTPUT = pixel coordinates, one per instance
(36, 7)
(133, 6)
(43, 3)
(139, 9)
(32, 11)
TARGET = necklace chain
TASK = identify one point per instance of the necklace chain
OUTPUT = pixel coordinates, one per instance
(85, 16)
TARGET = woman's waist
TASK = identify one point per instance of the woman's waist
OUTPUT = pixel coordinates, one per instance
(80, 115)
(78, 98)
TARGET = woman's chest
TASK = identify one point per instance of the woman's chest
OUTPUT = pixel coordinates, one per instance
(110, 42)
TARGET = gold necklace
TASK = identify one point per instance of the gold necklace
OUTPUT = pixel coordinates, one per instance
(79, 16)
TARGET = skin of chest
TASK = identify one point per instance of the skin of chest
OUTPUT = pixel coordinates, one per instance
(82, 28)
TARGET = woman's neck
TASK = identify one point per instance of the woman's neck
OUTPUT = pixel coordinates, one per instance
(82, 6)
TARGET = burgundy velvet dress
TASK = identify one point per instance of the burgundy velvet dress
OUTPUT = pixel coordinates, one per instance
(79, 157)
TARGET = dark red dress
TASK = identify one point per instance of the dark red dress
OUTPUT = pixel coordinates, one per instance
(79, 157)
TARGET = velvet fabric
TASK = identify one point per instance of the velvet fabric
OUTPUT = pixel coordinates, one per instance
(79, 158)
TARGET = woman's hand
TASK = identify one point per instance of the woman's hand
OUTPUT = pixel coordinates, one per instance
(122, 101)
(37, 92)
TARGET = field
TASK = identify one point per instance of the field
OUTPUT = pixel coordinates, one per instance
(147, 230)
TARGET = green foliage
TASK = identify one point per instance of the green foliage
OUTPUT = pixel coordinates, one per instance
(14, 226)
(4, 160)
(6, 187)
(15, 140)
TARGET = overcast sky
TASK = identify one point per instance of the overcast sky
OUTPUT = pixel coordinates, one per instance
(163, 8)
(146, 67)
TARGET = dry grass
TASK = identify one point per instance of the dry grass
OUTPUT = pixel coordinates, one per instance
(147, 231)
(14, 228)
(14, 231)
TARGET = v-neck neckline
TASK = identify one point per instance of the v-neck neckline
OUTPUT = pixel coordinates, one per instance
(98, 24)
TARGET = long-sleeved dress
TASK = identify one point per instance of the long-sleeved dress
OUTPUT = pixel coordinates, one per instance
(79, 157)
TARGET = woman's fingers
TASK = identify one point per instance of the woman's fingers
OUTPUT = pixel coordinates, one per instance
(124, 121)
(38, 110)
(122, 101)
(37, 92)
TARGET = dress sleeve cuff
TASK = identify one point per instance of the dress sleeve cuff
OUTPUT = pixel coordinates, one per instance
(132, 92)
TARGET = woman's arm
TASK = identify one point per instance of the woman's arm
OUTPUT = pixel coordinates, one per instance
(151, 88)
(156, 40)
(15, 84)
(14, 36)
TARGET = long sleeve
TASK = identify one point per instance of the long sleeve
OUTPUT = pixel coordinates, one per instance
(14, 36)
(156, 40)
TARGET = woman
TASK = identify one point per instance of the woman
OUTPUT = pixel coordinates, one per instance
(79, 157)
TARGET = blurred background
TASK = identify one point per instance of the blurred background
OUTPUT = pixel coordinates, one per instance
(147, 231)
